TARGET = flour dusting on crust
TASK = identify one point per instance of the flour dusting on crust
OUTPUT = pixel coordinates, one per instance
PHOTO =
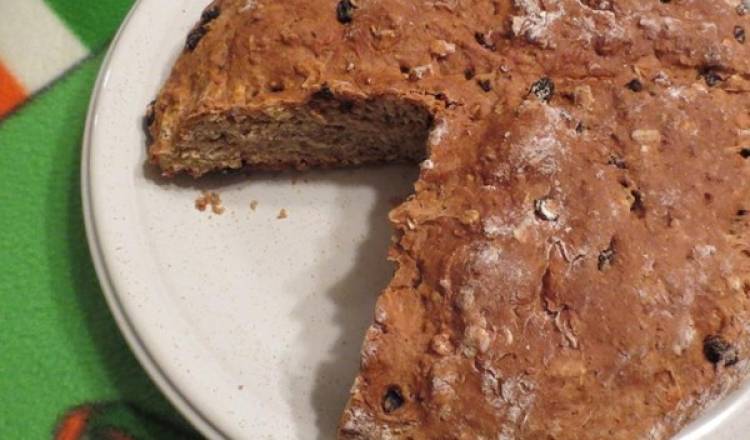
(535, 23)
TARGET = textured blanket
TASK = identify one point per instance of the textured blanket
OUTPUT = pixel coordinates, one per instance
(65, 370)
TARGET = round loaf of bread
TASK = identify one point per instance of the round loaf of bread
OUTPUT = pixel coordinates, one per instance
(575, 260)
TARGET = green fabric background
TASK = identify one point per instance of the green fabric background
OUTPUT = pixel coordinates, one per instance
(59, 345)
(93, 21)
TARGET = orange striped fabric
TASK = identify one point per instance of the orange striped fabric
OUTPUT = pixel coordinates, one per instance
(73, 425)
(12, 92)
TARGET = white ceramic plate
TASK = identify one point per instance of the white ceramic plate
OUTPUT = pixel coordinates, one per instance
(251, 325)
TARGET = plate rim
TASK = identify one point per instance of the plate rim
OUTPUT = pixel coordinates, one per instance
(126, 327)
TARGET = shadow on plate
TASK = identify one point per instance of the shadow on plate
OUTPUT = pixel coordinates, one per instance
(353, 296)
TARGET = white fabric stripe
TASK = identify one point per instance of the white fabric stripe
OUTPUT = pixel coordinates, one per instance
(35, 45)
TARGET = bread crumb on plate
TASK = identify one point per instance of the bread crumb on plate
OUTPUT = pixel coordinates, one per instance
(211, 199)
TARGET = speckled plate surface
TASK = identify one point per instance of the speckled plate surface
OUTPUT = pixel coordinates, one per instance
(250, 324)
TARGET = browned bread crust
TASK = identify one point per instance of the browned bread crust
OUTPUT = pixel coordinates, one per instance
(575, 261)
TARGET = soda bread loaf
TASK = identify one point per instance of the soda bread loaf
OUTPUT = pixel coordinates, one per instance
(575, 260)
